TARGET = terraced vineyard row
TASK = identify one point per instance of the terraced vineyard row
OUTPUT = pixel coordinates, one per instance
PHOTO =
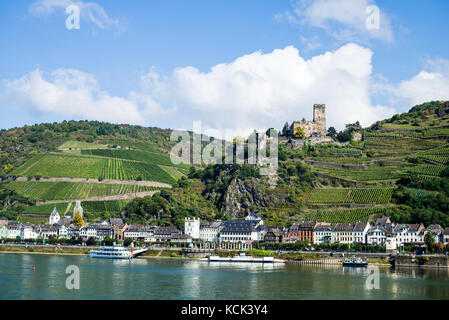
(51, 165)
(68, 190)
(343, 215)
(356, 195)
(428, 170)
(371, 173)
(137, 155)
(440, 159)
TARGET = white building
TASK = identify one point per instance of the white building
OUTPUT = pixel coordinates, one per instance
(322, 233)
(63, 232)
(376, 235)
(359, 232)
(54, 217)
(48, 231)
(28, 232)
(77, 208)
(209, 232)
(88, 232)
(409, 233)
(13, 231)
(139, 233)
(192, 227)
(241, 231)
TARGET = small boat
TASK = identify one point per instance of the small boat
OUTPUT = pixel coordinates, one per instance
(114, 252)
(242, 257)
(354, 262)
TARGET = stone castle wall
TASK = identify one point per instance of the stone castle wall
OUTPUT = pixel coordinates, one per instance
(315, 127)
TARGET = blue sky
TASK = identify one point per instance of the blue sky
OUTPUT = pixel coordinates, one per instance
(149, 62)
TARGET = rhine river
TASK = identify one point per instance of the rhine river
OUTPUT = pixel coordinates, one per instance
(189, 279)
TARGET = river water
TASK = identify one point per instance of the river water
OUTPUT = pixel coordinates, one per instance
(188, 279)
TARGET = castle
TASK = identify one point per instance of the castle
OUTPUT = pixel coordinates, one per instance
(317, 127)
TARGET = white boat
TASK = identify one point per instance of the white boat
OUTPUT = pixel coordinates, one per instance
(243, 258)
(114, 252)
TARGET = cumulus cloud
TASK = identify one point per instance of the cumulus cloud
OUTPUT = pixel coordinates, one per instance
(70, 93)
(90, 10)
(256, 91)
(344, 20)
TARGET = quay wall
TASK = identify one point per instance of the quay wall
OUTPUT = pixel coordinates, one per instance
(428, 261)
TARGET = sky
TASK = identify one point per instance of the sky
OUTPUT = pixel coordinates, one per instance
(234, 65)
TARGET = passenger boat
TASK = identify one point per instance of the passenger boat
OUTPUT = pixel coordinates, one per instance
(114, 252)
(243, 258)
(354, 262)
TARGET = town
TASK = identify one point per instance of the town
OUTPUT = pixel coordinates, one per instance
(383, 235)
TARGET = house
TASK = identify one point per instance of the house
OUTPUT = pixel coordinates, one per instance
(73, 232)
(342, 233)
(14, 229)
(63, 232)
(28, 231)
(4, 232)
(181, 238)
(382, 221)
(446, 236)
(118, 228)
(275, 235)
(376, 235)
(48, 231)
(139, 233)
(359, 232)
(437, 232)
(241, 231)
(210, 231)
(87, 232)
(322, 233)
(103, 230)
(54, 217)
(301, 231)
(164, 234)
(409, 234)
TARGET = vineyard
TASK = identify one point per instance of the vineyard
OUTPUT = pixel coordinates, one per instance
(427, 170)
(371, 173)
(137, 155)
(343, 215)
(45, 191)
(355, 195)
(47, 209)
(52, 165)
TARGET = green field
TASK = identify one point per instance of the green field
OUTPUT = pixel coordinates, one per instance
(52, 165)
(47, 209)
(44, 191)
(343, 215)
(354, 195)
(80, 145)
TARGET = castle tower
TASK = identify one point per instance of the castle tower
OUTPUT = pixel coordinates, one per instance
(319, 117)
(78, 208)
(192, 227)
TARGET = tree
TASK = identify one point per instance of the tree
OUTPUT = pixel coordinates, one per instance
(127, 242)
(299, 133)
(78, 219)
(331, 132)
(429, 240)
(285, 130)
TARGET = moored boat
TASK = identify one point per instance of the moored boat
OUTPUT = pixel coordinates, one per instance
(114, 252)
(354, 262)
(243, 258)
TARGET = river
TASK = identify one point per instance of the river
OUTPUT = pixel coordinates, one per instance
(190, 279)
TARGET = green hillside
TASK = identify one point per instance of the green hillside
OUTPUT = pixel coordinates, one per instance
(399, 168)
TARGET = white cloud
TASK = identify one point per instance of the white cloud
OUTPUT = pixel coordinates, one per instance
(255, 91)
(344, 20)
(70, 93)
(90, 10)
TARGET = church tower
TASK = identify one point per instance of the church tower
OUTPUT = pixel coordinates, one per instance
(78, 208)
(319, 118)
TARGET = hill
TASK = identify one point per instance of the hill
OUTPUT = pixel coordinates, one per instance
(399, 167)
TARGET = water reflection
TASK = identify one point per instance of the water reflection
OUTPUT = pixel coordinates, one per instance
(180, 279)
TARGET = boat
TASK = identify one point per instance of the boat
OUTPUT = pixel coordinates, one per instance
(243, 258)
(354, 262)
(113, 252)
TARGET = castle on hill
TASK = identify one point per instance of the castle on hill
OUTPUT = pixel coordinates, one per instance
(314, 128)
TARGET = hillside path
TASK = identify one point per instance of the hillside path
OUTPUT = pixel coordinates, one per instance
(106, 198)
(105, 181)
